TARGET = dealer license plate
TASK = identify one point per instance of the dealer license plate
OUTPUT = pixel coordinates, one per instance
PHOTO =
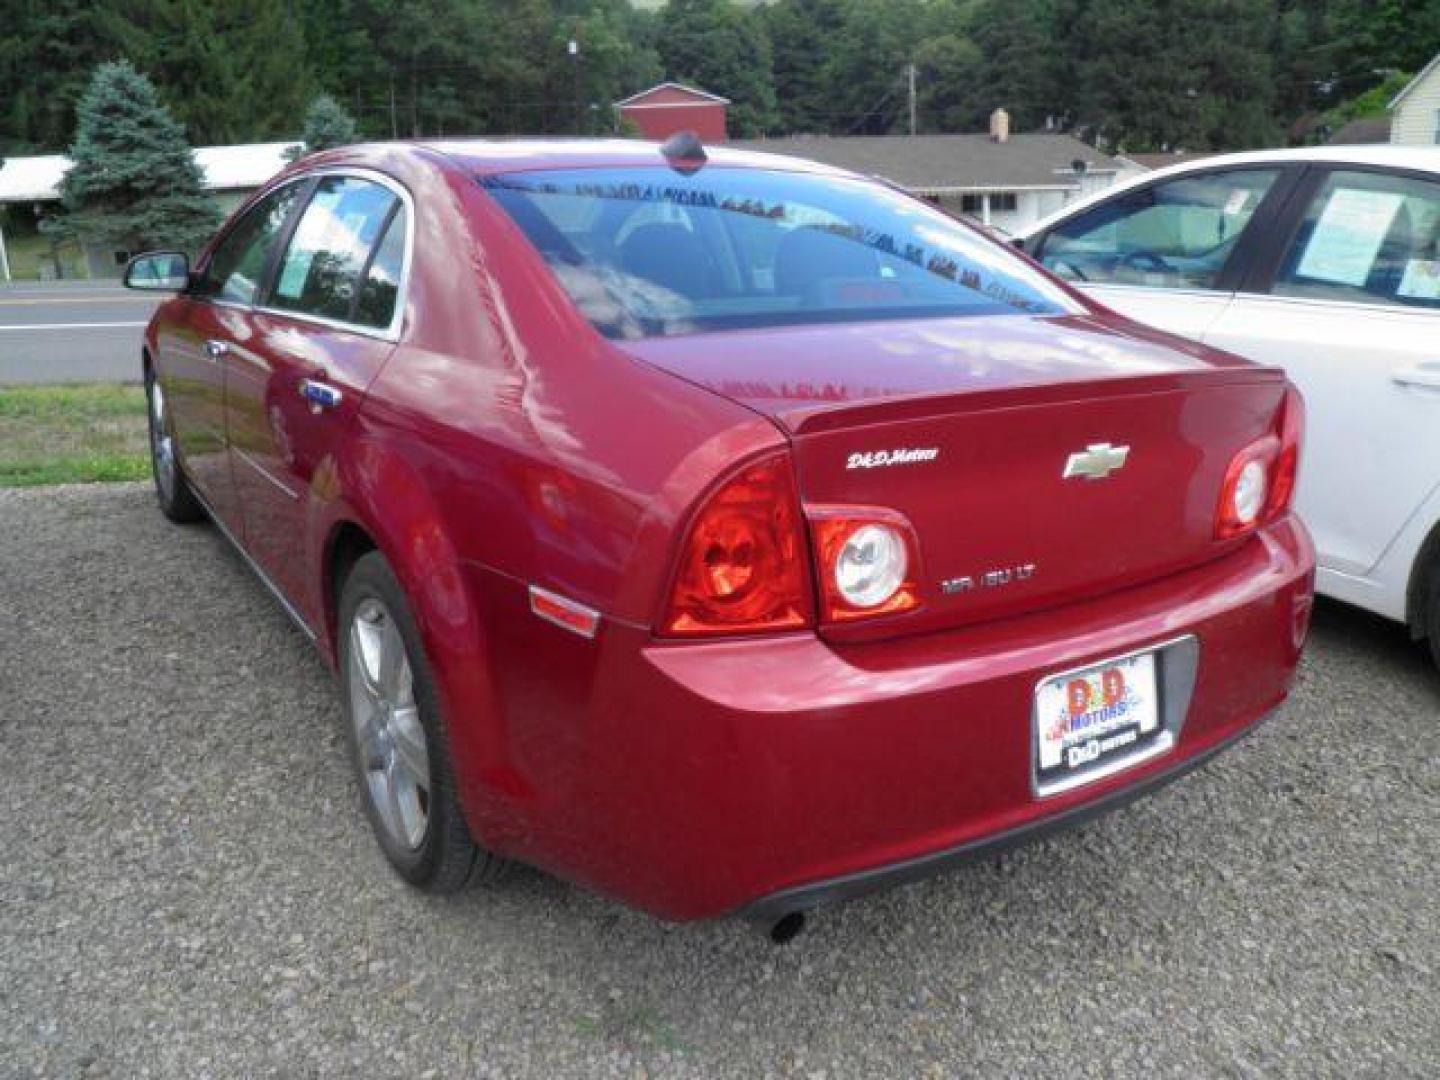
(1094, 717)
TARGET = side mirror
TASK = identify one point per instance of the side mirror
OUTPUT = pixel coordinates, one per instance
(158, 271)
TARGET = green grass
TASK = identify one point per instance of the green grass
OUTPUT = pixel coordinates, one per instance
(72, 435)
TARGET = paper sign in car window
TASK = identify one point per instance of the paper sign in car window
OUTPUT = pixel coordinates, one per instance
(1421, 280)
(1348, 236)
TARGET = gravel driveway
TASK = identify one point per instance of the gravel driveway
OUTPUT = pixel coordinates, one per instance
(188, 888)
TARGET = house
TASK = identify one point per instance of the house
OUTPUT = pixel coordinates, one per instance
(1005, 182)
(670, 107)
(1001, 179)
(1415, 111)
(1364, 131)
(30, 189)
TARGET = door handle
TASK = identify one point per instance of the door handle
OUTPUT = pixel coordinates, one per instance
(1422, 375)
(320, 395)
(215, 349)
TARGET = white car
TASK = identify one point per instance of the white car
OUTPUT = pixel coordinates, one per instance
(1325, 262)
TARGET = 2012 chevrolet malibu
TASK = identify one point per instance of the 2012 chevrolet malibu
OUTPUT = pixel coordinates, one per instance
(720, 531)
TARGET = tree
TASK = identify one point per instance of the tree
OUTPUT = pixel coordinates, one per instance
(1017, 69)
(327, 125)
(801, 33)
(134, 181)
(719, 47)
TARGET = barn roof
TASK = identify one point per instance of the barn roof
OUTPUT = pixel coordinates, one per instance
(666, 88)
(223, 168)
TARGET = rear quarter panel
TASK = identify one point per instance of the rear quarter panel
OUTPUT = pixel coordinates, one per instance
(506, 444)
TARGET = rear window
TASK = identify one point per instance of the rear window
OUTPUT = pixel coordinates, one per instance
(650, 251)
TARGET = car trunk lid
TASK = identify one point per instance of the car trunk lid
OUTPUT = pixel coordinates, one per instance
(1039, 461)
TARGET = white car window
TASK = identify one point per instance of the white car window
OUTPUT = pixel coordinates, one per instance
(1367, 238)
(1177, 234)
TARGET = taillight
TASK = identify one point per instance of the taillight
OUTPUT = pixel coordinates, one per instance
(743, 563)
(866, 562)
(1287, 465)
(1260, 481)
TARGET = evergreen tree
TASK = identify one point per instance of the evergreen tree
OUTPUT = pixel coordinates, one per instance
(802, 33)
(232, 72)
(327, 125)
(133, 181)
(716, 46)
(1017, 70)
(866, 70)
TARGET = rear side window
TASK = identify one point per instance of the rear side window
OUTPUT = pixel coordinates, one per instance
(1178, 234)
(650, 251)
(1367, 238)
(381, 286)
(329, 253)
(238, 262)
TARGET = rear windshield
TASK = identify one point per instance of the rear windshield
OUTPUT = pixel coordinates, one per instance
(650, 251)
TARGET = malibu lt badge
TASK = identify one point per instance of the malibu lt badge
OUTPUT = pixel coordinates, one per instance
(990, 579)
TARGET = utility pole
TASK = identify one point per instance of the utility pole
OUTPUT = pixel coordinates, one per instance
(394, 122)
(573, 48)
(910, 73)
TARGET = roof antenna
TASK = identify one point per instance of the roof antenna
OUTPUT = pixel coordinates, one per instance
(684, 152)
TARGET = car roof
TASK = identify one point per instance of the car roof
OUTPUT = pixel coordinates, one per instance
(484, 156)
(1382, 155)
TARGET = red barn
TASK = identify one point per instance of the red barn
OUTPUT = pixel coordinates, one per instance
(663, 110)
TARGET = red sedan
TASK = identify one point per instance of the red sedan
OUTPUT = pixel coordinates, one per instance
(720, 531)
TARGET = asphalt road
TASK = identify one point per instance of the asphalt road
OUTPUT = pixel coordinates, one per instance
(188, 888)
(65, 332)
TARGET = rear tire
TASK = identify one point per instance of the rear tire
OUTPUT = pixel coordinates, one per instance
(172, 491)
(398, 740)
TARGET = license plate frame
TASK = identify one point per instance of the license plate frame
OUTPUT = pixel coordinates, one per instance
(1158, 679)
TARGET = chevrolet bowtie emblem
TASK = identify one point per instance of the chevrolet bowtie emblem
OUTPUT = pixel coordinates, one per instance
(1096, 462)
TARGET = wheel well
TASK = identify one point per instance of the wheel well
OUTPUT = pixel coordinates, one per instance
(1422, 577)
(348, 545)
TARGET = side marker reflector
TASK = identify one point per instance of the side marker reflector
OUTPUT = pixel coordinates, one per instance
(577, 618)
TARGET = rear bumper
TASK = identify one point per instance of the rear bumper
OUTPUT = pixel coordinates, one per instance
(769, 909)
(763, 775)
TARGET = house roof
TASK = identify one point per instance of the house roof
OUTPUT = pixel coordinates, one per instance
(1425, 73)
(1171, 157)
(1362, 132)
(666, 89)
(943, 164)
(223, 168)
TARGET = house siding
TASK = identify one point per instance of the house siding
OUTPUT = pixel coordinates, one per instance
(1417, 117)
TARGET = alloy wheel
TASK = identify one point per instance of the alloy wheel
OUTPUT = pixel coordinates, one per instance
(162, 444)
(390, 736)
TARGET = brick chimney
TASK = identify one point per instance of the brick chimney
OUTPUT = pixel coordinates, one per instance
(1000, 126)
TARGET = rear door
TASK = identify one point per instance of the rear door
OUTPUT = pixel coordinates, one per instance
(326, 323)
(1169, 253)
(1350, 307)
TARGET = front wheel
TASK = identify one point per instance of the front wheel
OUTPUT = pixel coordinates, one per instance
(398, 740)
(1432, 620)
(172, 490)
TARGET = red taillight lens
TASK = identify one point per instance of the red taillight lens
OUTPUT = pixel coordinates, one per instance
(1260, 482)
(1287, 465)
(867, 562)
(742, 565)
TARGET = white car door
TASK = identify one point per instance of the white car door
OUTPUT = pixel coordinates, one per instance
(1353, 315)
(1162, 253)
